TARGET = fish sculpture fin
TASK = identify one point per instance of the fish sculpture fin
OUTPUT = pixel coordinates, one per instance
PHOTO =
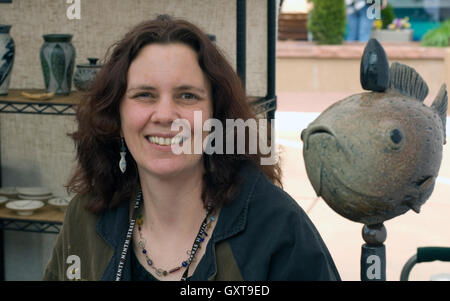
(407, 81)
(414, 207)
(411, 199)
(374, 70)
(440, 105)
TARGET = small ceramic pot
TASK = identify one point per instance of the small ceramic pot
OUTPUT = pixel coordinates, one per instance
(85, 74)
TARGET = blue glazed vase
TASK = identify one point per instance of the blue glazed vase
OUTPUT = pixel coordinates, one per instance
(6, 58)
(57, 61)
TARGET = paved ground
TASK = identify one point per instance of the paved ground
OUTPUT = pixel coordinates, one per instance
(405, 233)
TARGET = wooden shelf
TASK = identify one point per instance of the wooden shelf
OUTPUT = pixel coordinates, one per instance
(14, 95)
(44, 220)
(44, 214)
(15, 102)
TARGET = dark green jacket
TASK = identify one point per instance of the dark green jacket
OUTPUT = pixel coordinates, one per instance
(263, 234)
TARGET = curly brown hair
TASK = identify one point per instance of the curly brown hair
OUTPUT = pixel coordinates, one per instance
(97, 138)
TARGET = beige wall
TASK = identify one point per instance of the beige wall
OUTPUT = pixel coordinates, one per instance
(35, 150)
(342, 75)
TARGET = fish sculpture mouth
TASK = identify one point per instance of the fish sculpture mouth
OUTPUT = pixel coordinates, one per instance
(318, 129)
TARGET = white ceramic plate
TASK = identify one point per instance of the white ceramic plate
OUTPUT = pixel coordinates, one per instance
(8, 191)
(35, 197)
(3, 199)
(60, 203)
(24, 207)
(33, 191)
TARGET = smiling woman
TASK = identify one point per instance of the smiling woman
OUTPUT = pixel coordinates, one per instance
(158, 215)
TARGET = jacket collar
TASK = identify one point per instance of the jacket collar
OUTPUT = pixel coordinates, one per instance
(232, 220)
(113, 225)
(233, 216)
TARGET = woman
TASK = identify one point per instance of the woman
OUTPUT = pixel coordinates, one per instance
(145, 213)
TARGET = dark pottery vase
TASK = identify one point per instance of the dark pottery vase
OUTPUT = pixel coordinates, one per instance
(7, 51)
(57, 60)
(86, 74)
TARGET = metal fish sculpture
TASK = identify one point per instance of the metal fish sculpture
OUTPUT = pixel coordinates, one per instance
(375, 155)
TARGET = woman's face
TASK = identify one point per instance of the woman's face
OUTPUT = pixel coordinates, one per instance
(165, 83)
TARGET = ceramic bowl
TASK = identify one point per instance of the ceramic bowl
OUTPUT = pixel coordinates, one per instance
(60, 203)
(9, 192)
(35, 197)
(33, 191)
(3, 199)
(24, 207)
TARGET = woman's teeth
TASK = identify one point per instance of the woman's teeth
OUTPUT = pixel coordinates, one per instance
(164, 141)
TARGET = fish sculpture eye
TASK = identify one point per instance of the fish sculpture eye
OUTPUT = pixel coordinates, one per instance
(396, 136)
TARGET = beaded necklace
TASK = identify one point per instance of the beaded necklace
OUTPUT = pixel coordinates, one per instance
(206, 224)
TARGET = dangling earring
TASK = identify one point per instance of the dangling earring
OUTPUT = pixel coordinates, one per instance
(123, 162)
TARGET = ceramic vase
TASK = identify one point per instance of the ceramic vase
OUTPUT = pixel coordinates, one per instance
(57, 60)
(86, 74)
(6, 58)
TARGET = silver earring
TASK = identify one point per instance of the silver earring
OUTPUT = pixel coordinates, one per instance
(123, 162)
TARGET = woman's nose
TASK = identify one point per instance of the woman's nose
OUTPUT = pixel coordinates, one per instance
(164, 110)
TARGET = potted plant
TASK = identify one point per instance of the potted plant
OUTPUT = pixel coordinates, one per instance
(327, 20)
(438, 37)
(399, 30)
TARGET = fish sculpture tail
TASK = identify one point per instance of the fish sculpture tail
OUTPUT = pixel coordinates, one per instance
(440, 105)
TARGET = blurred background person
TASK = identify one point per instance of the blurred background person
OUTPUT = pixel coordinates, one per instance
(359, 22)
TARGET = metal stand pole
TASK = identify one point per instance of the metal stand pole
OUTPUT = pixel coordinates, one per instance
(373, 253)
(2, 254)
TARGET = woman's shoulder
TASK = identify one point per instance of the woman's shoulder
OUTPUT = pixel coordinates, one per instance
(76, 211)
(289, 238)
(272, 198)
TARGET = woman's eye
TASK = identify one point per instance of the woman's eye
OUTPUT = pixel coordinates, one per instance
(144, 95)
(188, 96)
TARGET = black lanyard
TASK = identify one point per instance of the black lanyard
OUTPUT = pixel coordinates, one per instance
(128, 237)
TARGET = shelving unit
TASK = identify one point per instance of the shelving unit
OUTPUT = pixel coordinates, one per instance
(46, 219)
